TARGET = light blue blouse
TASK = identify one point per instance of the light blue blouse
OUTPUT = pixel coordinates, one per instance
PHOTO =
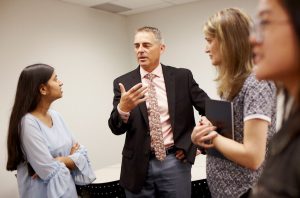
(41, 145)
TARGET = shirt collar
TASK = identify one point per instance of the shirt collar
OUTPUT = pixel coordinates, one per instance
(157, 71)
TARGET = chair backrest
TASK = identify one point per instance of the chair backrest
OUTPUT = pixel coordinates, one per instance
(200, 189)
(114, 190)
(103, 190)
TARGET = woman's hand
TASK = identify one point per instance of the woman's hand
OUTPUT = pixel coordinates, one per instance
(67, 160)
(203, 134)
(35, 176)
(74, 148)
(205, 121)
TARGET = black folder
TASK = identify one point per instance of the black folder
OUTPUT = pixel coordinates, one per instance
(220, 114)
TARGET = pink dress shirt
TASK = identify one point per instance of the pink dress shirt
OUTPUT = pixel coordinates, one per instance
(160, 88)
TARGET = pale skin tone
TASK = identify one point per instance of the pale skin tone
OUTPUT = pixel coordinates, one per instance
(50, 92)
(148, 50)
(212, 49)
(250, 153)
(276, 63)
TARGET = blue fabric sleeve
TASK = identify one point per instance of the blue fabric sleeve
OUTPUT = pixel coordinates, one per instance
(54, 173)
(84, 173)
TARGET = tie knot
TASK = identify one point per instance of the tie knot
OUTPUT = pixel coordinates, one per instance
(150, 76)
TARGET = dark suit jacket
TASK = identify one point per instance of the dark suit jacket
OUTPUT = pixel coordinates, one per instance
(183, 94)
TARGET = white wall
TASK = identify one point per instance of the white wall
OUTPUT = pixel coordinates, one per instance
(181, 27)
(89, 49)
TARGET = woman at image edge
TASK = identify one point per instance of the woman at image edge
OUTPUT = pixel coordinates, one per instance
(254, 106)
(48, 160)
(276, 45)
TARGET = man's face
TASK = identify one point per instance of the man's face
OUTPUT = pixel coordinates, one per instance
(148, 50)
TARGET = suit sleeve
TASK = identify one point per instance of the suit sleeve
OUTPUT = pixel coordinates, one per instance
(198, 96)
(115, 122)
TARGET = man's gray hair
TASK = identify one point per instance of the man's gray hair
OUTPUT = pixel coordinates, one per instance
(154, 30)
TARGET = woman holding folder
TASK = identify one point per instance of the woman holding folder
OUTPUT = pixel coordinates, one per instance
(239, 161)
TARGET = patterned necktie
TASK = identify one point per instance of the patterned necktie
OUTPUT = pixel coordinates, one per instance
(157, 142)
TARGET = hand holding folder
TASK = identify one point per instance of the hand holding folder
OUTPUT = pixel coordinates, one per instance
(220, 114)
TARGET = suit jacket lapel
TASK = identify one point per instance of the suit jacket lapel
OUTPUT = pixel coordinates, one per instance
(136, 78)
(170, 89)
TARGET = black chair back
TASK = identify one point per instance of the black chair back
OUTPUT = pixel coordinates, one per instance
(114, 190)
(103, 190)
(200, 189)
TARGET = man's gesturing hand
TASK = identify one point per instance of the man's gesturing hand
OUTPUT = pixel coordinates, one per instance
(131, 98)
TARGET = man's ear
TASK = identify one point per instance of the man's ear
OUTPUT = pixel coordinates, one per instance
(162, 48)
(43, 89)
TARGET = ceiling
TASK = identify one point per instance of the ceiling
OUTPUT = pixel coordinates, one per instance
(128, 7)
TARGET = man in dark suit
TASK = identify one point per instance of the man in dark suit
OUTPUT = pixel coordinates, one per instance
(143, 174)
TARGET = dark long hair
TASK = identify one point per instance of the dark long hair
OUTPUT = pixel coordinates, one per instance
(293, 9)
(26, 100)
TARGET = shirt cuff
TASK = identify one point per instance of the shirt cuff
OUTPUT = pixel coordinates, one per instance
(124, 115)
(258, 116)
